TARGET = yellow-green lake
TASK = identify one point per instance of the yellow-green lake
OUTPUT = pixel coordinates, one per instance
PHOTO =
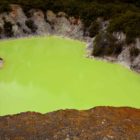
(44, 74)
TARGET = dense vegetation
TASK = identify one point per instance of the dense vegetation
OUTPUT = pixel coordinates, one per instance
(129, 23)
(106, 45)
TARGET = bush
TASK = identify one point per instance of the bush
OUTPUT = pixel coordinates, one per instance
(134, 52)
(129, 23)
(105, 45)
(8, 29)
(4, 6)
(94, 29)
(0, 30)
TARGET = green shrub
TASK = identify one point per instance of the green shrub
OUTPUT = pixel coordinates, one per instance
(0, 30)
(94, 29)
(129, 23)
(134, 52)
(8, 29)
(105, 45)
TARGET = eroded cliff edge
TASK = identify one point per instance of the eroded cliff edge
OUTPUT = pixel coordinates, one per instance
(100, 123)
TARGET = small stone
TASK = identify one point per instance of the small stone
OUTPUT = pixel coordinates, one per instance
(61, 14)
(51, 16)
(1, 63)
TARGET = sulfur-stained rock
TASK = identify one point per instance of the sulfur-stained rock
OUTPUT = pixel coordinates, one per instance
(61, 14)
(100, 123)
(51, 16)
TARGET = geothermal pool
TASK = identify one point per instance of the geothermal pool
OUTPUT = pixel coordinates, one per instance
(44, 74)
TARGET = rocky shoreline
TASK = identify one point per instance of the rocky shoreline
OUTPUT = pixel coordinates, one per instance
(16, 23)
(100, 123)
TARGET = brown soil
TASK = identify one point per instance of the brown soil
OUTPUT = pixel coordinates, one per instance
(100, 123)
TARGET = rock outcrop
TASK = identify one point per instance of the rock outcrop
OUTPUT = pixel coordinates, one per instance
(16, 24)
(38, 18)
(113, 47)
(13, 23)
(100, 123)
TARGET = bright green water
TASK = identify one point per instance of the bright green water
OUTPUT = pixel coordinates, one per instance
(46, 74)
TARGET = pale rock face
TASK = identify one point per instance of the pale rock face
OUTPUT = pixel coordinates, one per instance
(69, 27)
(4, 17)
(138, 43)
(124, 57)
(76, 27)
(89, 48)
(77, 31)
(62, 26)
(17, 16)
(42, 26)
(1, 21)
(61, 14)
(1, 26)
(58, 23)
(16, 30)
(51, 16)
(17, 13)
(136, 64)
(120, 36)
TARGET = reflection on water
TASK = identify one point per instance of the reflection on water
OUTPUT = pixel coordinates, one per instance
(46, 74)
